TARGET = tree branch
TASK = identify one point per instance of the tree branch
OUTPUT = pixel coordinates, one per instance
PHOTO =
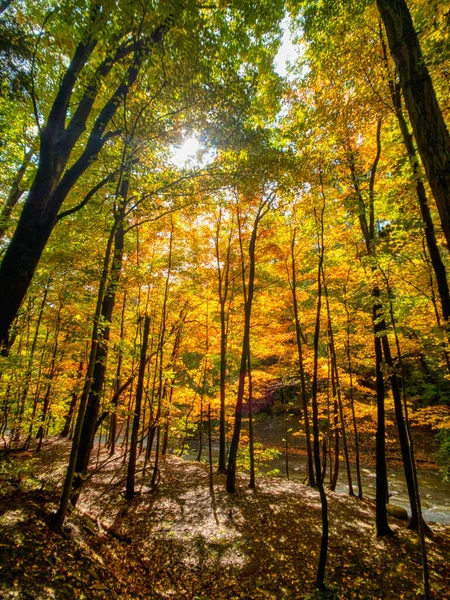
(88, 196)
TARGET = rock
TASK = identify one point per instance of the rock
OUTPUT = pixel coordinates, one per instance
(396, 511)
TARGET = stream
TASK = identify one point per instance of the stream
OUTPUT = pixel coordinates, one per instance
(434, 493)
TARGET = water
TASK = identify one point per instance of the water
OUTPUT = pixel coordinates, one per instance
(434, 493)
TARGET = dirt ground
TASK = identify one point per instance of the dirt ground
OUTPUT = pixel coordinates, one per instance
(183, 541)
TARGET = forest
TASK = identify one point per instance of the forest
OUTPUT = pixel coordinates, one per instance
(224, 299)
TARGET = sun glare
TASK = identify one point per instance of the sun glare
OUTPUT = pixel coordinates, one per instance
(186, 151)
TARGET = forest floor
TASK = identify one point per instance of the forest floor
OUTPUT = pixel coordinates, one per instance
(183, 541)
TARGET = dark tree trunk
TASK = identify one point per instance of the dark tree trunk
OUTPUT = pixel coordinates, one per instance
(155, 427)
(250, 423)
(200, 422)
(337, 393)
(433, 140)
(430, 236)
(223, 277)
(57, 519)
(368, 232)
(248, 300)
(421, 526)
(51, 375)
(73, 403)
(382, 527)
(298, 334)
(320, 577)
(286, 433)
(115, 401)
(90, 422)
(210, 459)
(129, 494)
(352, 400)
(30, 363)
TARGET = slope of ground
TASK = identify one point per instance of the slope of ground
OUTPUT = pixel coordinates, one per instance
(183, 541)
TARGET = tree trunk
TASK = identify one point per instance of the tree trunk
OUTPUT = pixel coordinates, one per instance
(51, 374)
(430, 236)
(430, 131)
(298, 334)
(223, 277)
(381, 522)
(352, 400)
(57, 519)
(320, 577)
(286, 433)
(115, 403)
(248, 300)
(337, 391)
(368, 232)
(90, 422)
(251, 449)
(73, 403)
(129, 494)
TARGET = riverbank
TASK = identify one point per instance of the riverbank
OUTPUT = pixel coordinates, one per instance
(271, 429)
(184, 542)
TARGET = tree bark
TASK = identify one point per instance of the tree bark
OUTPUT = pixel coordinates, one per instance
(90, 422)
(129, 494)
(58, 518)
(248, 300)
(223, 278)
(73, 403)
(298, 335)
(430, 131)
(320, 577)
(430, 235)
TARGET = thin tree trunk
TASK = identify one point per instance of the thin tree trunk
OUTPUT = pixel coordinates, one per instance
(320, 577)
(382, 526)
(352, 400)
(57, 519)
(251, 449)
(368, 231)
(162, 339)
(263, 208)
(30, 362)
(286, 434)
(73, 402)
(422, 527)
(51, 374)
(90, 422)
(223, 277)
(338, 393)
(129, 494)
(299, 334)
(211, 482)
(115, 402)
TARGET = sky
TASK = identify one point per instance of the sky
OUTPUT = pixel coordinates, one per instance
(288, 51)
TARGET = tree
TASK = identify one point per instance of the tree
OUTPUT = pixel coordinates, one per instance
(64, 127)
(263, 208)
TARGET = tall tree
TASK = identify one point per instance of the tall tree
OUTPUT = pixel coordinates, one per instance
(249, 290)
